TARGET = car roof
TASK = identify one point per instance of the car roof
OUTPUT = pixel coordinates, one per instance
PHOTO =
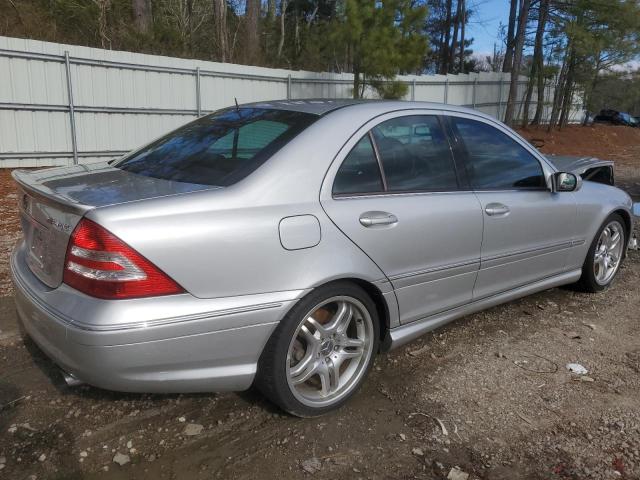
(323, 106)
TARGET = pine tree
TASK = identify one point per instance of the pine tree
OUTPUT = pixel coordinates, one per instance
(382, 39)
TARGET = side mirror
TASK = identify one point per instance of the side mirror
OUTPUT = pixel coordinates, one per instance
(566, 182)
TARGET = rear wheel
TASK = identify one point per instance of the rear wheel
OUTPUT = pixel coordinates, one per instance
(604, 256)
(321, 352)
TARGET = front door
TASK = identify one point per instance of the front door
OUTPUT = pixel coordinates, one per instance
(528, 230)
(396, 195)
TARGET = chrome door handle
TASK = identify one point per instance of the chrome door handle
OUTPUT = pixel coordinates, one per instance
(496, 209)
(372, 219)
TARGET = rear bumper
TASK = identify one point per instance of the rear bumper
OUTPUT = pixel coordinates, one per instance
(213, 346)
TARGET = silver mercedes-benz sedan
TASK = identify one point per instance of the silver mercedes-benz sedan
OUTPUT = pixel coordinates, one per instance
(284, 244)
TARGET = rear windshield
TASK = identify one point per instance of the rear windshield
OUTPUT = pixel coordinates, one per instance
(219, 149)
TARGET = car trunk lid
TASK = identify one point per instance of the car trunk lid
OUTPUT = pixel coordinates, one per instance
(52, 202)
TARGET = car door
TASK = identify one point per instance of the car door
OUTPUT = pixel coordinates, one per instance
(394, 191)
(528, 229)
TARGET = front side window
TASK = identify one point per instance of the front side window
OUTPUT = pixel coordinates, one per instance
(415, 154)
(219, 149)
(496, 161)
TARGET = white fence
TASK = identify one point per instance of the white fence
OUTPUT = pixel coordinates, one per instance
(65, 104)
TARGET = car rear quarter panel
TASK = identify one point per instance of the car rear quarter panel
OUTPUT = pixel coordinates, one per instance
(218, 245)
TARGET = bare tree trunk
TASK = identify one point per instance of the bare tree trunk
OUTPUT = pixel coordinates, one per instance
(517, 59)
(527, 100)
(220, 24)
(454, 40)
(557, 94)
(463, 21)
(567, 99)
(271, 10)
(356, 80)
(190, 26)
(539, 60)
(296, 33)
(142, 15)
(507, 63)
(588, 93)
(103, 8)
(439, 55)
(444, 52)
(252, 45)
(283, 13)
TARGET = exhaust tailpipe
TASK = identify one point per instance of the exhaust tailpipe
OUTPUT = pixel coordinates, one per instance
(71, 380)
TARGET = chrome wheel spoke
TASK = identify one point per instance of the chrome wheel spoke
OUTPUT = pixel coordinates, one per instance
(613, 241)
(329, 378)
(319, 328)
(309, 337)
(311, 369)
(303, 364)
(351, 342)
(352, 353)
(342, 318)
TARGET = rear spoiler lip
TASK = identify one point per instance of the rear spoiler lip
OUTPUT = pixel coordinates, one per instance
(46, 195)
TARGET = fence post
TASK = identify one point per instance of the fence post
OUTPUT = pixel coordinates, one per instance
(413, 90)
(475, 85)
(500, 99)
(289, 87)
(446, 90)
(198, 95)
(72, 113)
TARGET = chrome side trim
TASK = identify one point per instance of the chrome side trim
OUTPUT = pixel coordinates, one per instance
(406, 333)
(544, 249)
(181, 319)
(440, 268)
(63, 319)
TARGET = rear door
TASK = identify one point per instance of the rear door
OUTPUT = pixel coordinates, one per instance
(528, 230)
(395, 192)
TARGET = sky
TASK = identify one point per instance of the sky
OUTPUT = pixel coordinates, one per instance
(483, 25)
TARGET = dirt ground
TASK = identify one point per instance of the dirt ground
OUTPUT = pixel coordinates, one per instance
(489, 394)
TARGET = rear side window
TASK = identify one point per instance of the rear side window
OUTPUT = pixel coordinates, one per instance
(359, 172)
(219, 149)
(496, 161)
(415, 154)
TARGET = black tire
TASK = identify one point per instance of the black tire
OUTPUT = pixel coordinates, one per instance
(587, 282)
(271, 378)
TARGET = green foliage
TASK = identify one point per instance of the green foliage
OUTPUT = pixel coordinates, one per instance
(617, 91)
(389, 89)
(381, 39)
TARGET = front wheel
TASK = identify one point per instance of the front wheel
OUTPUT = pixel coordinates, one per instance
(321, 352)
(604, 256)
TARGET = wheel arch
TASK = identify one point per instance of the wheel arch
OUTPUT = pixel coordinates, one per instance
(628, 225)
(383, 308)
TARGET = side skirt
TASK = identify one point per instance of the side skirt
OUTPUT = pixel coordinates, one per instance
(406, 333)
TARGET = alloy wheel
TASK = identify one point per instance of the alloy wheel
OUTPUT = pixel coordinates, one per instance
(330, 351)
(608, 253)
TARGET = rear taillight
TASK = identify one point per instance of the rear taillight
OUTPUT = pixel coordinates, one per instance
(101, 265)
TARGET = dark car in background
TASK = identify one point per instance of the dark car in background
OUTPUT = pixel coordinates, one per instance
(615, 117)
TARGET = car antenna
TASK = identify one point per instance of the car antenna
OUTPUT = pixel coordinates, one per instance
(237, 107)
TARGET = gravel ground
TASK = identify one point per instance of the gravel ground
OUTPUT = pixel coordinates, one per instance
(489, 394)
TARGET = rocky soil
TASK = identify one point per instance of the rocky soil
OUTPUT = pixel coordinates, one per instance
(487, 397)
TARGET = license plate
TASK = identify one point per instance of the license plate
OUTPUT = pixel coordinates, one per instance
(38, 239)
